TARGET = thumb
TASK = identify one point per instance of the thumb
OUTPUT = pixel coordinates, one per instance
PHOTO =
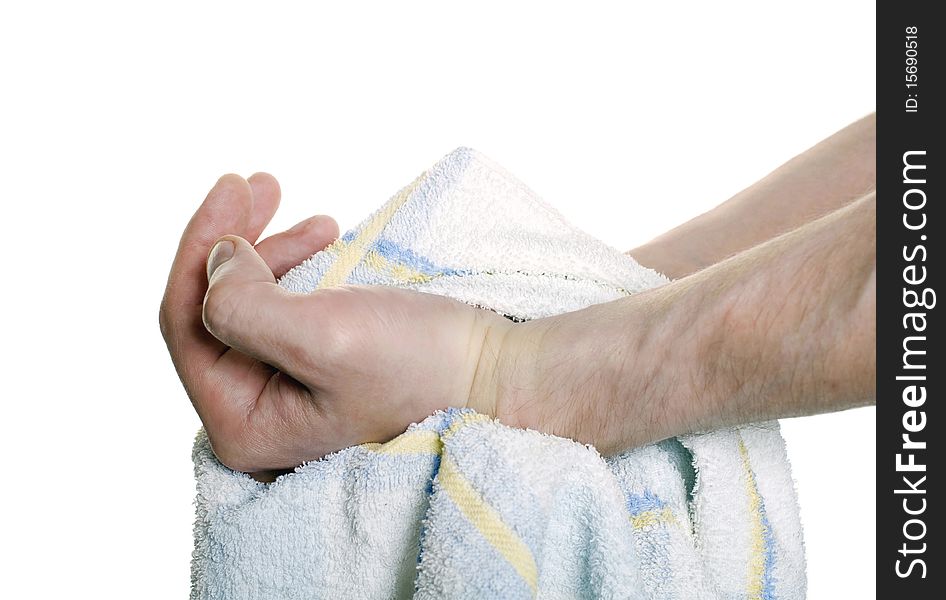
(234, 257)
(242, 301)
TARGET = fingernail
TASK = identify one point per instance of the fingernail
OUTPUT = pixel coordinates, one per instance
(221, 253)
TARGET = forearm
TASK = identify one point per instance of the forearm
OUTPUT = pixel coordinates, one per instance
(786, 328)
(828, 176)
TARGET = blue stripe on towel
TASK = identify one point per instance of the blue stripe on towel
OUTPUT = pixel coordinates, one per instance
(768, 581)
(762, 545)
(403, 256)
(639, 503)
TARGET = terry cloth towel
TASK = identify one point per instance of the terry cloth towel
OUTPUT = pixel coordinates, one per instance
(460, 506)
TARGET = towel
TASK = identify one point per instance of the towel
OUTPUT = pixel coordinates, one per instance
(461, 506)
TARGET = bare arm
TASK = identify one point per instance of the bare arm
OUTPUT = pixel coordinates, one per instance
(786, 328)
(826, 177)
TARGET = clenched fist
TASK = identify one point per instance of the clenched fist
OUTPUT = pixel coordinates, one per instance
(280, 378)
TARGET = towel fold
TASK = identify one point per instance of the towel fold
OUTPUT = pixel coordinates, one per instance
(460, 506)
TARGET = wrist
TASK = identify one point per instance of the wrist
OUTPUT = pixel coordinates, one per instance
(508, 382)
(593, 375)
(490, 334)
(620, 374)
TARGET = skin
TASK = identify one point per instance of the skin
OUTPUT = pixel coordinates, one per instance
(783, 326)
(783, 329)
(828, 176)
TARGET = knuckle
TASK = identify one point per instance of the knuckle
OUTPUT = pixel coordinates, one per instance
(321, 339)
(221, 303)
(231, 455)
(338, 322)
(338, 341)
(229, 441)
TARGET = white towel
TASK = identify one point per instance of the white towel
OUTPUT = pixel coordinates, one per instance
(460, 506)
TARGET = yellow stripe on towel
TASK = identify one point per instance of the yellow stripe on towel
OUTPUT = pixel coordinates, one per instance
(464, 420)
(422, 441)
(756, 529)
(351, 253)
(489, 523)
(649, 518)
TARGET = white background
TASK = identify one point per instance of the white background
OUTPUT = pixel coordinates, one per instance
(115, 119)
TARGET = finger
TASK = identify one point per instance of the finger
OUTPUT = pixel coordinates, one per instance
(245, 309)
(287, 249)
(251, 412)
(271, 435)
(227, 209)
(251, 398)
(266, 195)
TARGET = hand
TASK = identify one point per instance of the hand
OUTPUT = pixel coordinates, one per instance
(280, 378)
